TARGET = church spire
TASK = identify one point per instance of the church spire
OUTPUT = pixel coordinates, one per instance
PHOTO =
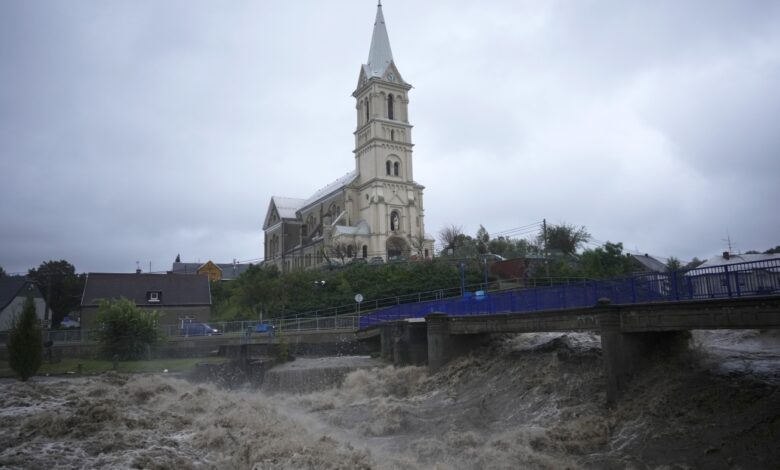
(380, 56)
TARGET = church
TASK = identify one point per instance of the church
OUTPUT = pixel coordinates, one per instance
(373, 213)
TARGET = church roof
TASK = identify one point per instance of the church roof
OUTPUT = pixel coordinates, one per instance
(379, 56)
(287, 206)
(331, 188)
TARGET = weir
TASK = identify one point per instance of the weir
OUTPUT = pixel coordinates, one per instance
(631, 335)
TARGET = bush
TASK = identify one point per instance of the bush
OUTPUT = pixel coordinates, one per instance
(127, 332)
(25, 342)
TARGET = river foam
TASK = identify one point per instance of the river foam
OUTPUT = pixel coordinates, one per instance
(525, 401)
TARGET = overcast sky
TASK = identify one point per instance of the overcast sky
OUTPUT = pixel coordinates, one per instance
(137, 130)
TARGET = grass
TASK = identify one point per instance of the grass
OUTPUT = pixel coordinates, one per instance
(98, 366)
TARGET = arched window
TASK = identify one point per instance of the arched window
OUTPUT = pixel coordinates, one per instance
(388, 166)
(390, 107)
(392, 134)
(365, 251)
(367, 117)
(396, 167)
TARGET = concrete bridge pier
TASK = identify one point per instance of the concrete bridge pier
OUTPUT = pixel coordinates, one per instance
(443, 346)
(624, 354)
(410, 343)
(386, 331)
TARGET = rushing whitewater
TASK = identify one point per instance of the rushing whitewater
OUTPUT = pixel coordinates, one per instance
(528, 401)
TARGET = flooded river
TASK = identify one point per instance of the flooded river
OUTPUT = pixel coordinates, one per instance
(527, 401)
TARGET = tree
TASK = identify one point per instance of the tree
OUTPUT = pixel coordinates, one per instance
(60, 286)
(773, 251)
(483, 239)
(127, 332)
(564, 237)
(694, 263)
(673, 264)
(2, 271)
(449, 236)
(605, 261)
(418, 245)
(25, 342)
(342, 250)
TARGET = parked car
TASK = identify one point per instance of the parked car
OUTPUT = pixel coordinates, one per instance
(198, 329)
(377, 260)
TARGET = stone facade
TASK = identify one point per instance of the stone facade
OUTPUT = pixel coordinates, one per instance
(374, 211)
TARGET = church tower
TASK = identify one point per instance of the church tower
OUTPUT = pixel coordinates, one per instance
(390, 201)
(374, 212)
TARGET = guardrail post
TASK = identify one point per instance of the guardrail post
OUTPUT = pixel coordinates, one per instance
(728, 279)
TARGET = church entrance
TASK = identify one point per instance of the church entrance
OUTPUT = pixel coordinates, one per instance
(396, 248)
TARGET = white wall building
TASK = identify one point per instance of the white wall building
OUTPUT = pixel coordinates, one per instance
(377, 209)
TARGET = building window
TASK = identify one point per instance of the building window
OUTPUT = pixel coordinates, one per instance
(154, 296)
(390, 112)
(365, 251)
(388, 166)
(367, 116)
(392, 134)
(349, 251)
(396, 167)
(426, 253)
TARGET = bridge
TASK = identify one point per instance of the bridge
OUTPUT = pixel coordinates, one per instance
(635, 316)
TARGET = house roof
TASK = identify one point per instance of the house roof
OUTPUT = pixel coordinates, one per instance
(229, 270)
(720, 260)
(12, 287)
(649, 263)
(177, 290)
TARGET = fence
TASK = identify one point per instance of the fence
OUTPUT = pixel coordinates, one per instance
(726, 281)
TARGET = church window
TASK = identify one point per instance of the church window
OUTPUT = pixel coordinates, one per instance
(365, 251)
(392, 134)
(396, 167)
(389, 166)
(304, 230)
(390, 107)
(367, 117)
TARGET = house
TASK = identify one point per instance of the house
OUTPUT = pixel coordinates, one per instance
(734, 274)
(14, 290)
(647, 264)
(177, 298)
(374, 211)
(215, 271)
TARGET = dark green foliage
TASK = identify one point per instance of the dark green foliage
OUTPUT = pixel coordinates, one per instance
(564, 238)
(2, 271)
(25, 342)
(266, 291)
(673, 264)
(127, 332)
(773, 251)
(60, 286)
(605, 262)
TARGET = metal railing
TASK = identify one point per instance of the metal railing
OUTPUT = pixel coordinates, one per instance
(725, 281)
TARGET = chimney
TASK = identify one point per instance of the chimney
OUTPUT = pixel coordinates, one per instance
(138, 271)
(726, 255)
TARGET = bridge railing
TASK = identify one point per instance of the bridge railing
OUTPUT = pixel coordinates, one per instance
(726, 281)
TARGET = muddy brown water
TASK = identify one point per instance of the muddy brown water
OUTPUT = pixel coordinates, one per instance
(528, 401)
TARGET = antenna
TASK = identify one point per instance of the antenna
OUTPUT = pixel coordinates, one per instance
(728, 242)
